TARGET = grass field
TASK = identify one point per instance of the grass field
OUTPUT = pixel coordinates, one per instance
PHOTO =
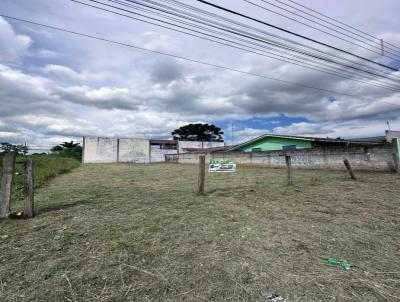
(46, 167)
(119, 232)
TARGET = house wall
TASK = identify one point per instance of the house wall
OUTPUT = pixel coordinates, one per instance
(374, 158)
(276, 143)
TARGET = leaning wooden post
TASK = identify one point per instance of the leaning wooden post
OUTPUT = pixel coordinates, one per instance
(202, 173)
(288, 160)
(28, 190)
(348, 167)
(6, 184)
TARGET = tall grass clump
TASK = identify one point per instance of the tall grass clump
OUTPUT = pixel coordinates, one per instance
(46, 166)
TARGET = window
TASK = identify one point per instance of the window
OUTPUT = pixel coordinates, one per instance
(289, 147)
(256, 150)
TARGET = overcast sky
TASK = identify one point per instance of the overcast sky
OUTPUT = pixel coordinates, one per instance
(55, 86)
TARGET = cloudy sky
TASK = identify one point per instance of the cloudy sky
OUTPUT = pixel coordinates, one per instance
(55, 86)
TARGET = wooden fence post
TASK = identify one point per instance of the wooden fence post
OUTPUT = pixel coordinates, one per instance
(348, 167)
(288, 160)
(6, 184)
(29, 211)
(396, 162)
(202, 172)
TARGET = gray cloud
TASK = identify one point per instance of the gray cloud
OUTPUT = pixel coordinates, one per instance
(166, 71)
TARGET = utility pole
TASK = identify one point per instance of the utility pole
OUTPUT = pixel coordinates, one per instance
(232, 133)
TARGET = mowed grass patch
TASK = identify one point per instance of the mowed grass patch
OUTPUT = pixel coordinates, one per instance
(116, 232)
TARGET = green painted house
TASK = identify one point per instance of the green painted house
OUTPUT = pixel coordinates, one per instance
(273, 142)
(270, 142)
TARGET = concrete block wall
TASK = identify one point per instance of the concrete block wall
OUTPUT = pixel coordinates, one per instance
(112, 150)
(134, 150)
(99, 150)
(370, 158)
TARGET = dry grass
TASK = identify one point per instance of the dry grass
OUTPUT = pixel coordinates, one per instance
(140, 233)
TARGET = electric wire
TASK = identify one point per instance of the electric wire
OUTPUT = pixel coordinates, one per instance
(335, 20)
(323, 31)
(269, 34)
(293, 33)
(191, 60)
(282, 58)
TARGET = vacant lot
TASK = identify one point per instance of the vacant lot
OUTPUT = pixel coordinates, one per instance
(140, 233)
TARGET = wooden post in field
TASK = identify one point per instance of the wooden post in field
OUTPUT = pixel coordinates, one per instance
(348, 167)
(28, 190)
(202, 173)
(288, 160)
(396, 162)
(6, 184)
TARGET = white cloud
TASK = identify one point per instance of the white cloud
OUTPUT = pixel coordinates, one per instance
(12, 45)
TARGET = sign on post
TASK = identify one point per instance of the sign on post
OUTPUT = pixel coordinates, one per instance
(222, 165)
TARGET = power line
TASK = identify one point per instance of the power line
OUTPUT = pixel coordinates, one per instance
(280, 57)
(188, 59)
(188, 16)
(294, 34)
(335, 20)
(230, 21)
(328, 27)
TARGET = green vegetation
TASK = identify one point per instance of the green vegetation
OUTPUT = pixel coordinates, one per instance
(68, 149)
(116, 232)
(45, 167)
(198, 132)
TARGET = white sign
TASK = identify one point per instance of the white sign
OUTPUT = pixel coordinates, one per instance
(222, 165)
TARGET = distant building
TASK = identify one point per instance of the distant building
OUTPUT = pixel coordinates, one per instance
(137, 150)
(274, 142)
(380, 153)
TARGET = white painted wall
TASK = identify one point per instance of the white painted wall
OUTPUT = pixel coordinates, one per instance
(99, 150)
(112, 150)
(134, 150)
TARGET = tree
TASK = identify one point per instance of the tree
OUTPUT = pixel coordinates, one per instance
(198, 132)
(19, 149)
(69, 145)
(57, 148)
(68, 149)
